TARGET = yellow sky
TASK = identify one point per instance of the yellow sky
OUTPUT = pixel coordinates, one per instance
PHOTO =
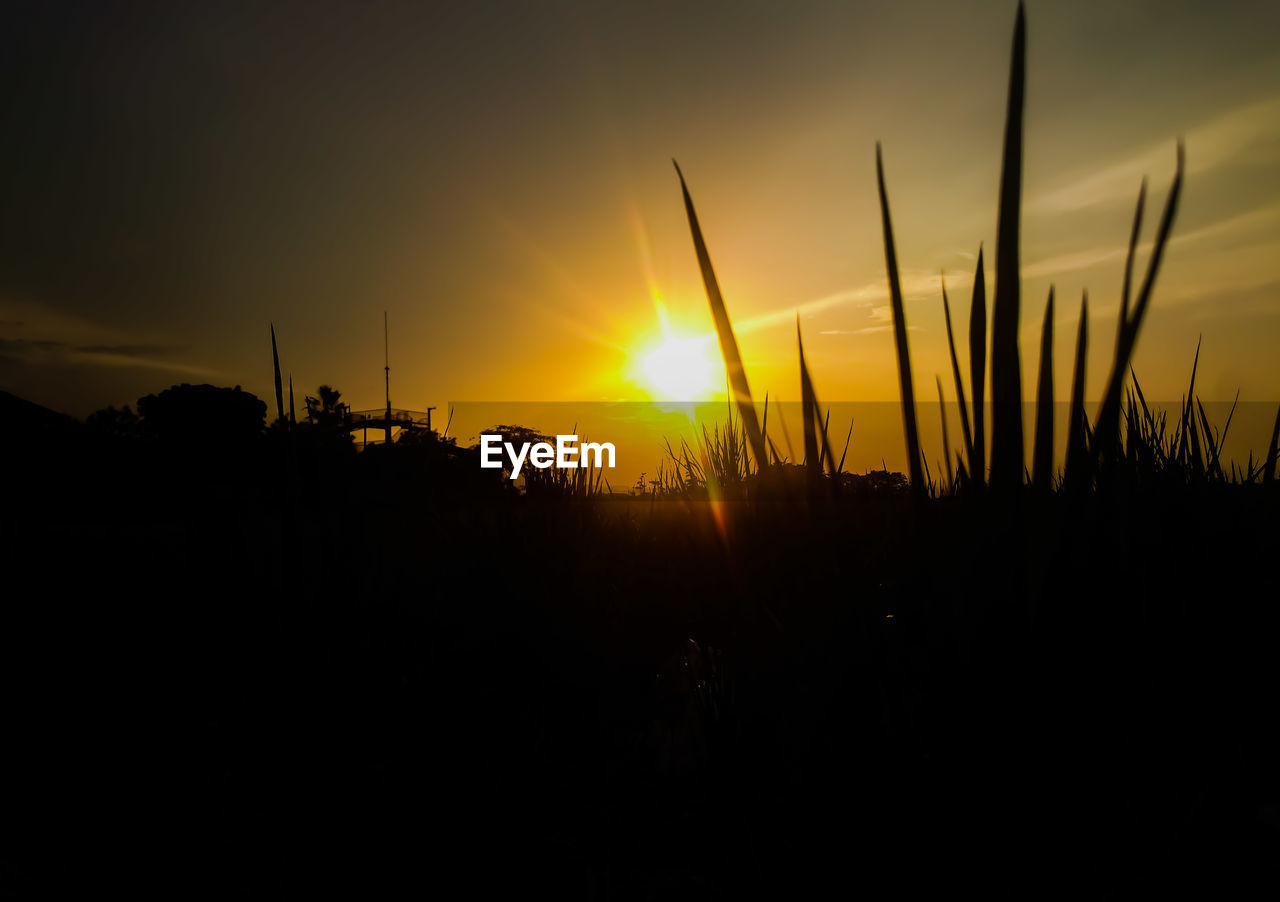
(499, 181)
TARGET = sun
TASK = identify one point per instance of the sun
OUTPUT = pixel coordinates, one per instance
(680, 369)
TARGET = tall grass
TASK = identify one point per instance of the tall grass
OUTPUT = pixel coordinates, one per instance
(1093, 451)
(1273, 451)
(724, 332)
(716, 467)
(900, 336)
(946, 445)
(1108, 423)
(1042, 450)
(978, 372)
(815, 426)
(275, 360)
(1006, 367)
(955, 372)
(808, 401)
(1077, 421)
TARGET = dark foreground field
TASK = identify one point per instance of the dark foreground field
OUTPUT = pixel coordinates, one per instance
(369, 677)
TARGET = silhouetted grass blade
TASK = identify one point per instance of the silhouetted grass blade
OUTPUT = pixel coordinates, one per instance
(1077, 448)
(813, 419)
(1188, 420)
(1157, 252)
(1042, 451)
(1222, 437)
(946, 445)
(978, 371)
(824, 447)
(724, 331)
(1272, 451)
(1128, 262)
(808, 403)
(955, 371)
(1185, 411)
(764, 422)
(1191, 399)
(275, 361)
(1107, 433)
(1006, 378)
(1212, 444)
(849, 435)
(900, 338)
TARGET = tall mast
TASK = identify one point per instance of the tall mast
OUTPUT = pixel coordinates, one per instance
(386, 356)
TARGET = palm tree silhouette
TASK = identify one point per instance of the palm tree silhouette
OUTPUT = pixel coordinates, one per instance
(328, 409)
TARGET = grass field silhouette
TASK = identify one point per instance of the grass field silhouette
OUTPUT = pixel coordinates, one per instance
(244, 659)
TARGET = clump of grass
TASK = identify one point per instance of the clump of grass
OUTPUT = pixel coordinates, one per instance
(814, 424)
(717, 467)
(1094, 452)
(1155, 450)
(583, 481)
(1106, 432)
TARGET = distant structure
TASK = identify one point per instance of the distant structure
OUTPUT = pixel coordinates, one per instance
(404, 420)
(386, 418)
(386, 359)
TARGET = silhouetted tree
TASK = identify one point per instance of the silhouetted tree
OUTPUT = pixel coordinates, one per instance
(203, 414)
(112, 421)
(327, 409)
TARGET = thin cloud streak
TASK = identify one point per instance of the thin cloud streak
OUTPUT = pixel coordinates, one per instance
(44, 338)
(1086, 259)
(921, 285)
(1210, 145)
(916, 286)
(124, 360)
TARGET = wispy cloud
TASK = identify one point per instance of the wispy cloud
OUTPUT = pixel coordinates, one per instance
(20, 347)
(1209, 145)
(127, 360)
(864, 331)
(881, 316)
(129, 350)
(42, 337)
(916, 285)
(922, 285)
(1240, 225)
(1073, 262)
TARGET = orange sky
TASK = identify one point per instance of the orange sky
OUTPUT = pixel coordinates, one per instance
(498, 180)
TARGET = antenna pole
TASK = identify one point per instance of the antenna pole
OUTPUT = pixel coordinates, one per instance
(386, 356)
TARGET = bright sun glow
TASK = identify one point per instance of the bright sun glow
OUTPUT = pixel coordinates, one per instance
(681, 369)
